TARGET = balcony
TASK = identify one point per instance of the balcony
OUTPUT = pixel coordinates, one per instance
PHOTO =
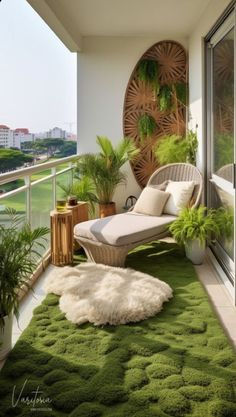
(33, 191)
(178, 361)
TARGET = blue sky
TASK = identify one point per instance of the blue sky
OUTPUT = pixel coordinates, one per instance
(37, 72)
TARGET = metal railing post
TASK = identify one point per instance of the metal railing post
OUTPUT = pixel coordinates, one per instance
(28, 200)
(54, 186)
(71, 177)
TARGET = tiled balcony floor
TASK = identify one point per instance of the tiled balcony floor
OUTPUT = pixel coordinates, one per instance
(220, 298)
(207, 275)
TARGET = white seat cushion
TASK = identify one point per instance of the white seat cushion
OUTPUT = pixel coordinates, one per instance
(123, 229)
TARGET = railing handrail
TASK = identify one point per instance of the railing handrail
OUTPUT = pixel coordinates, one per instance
(23, 172)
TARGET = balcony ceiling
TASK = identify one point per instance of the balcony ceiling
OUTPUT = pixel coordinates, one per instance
(71, 20)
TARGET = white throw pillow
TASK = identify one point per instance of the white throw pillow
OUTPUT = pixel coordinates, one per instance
(151, 202)
(161, 186)
(180, 195)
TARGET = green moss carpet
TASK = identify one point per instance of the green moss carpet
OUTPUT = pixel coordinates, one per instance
(178, 363)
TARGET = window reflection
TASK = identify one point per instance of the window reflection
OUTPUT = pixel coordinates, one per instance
(223, 107)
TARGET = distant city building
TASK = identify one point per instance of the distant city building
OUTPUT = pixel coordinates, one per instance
(14, 138)
(22, 134)
(7, 139)
(4, 136)
(57, 133)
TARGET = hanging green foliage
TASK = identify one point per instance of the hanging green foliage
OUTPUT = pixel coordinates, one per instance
(173, 149)
(165, 97)
(148, 72)
(181, 92)
(146, 126)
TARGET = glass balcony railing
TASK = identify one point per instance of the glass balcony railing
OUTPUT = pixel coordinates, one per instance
(33, 191)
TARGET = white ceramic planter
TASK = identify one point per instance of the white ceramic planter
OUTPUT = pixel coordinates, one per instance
(195, 251)
(6, 337)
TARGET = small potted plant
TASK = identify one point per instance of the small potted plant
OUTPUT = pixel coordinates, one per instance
(104, 169)
(82, 190)
(195, 227)
(19, 256)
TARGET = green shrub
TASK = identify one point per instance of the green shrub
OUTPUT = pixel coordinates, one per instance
(174, 149)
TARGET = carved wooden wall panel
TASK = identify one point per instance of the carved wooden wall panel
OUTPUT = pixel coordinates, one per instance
(140, 99)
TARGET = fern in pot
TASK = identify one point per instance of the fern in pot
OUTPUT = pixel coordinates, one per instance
(19, 255)
(195, 227)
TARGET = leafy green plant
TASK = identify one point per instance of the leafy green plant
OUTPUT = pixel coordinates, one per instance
(83, 189)
(148, 71)
(201, 224)
(174, 149)
(19, 255)
(146, 126)
(191, 147)
(104, 168)
(168, 94)
(171, 149)
(181, 92)
(165, 97)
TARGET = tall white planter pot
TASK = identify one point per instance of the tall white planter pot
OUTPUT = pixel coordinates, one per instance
(195, 251)
(6, 336)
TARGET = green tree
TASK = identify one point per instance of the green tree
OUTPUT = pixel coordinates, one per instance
(68, 148)
(52, 145)
(12, 159)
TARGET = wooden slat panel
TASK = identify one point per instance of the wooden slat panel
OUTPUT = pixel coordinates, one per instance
(139, 99)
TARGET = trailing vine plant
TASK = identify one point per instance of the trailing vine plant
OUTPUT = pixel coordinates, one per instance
(181, 92)
(146, 126)
(169, 96)
(148, 71)
(165, 98)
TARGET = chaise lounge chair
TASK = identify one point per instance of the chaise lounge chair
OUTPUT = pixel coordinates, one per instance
(109, 240)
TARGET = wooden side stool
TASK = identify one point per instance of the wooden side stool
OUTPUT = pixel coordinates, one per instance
(79, 214)
(61, 237)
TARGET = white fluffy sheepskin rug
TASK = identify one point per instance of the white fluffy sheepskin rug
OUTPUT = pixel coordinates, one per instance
(102, 294)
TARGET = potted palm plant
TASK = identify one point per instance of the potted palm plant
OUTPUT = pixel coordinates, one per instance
(104, 169)
(195, 227)
(19, 254)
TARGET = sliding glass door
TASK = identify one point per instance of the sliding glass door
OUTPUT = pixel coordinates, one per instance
(221, 134)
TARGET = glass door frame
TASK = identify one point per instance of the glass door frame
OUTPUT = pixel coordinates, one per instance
(226, 263)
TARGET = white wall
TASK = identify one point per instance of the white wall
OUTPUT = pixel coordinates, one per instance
(104, 69)
(196, 70)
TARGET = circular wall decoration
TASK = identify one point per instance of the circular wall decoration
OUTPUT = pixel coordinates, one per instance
(155, 102)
